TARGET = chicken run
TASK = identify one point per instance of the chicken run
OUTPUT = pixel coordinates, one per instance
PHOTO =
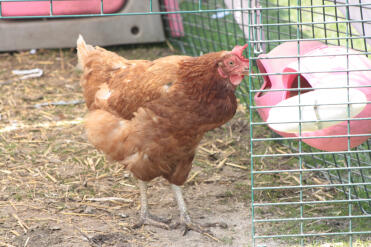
(259, 110)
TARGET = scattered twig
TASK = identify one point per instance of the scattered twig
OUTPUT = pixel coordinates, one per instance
(21, 223)
(206, 150)
(280, 151)
(26, 242)
(6, 171)
(230, 132)
(295, 178)
(6, 244)
(212, 237)
(51, 177)
(13, 206)
(91, 241)
(319, 197)
(15, 233)
(128, 185)
(171, 47)
(327, 194)
(97, 178)
(104, 199)
(221, 163)
(77, 214)
(193, 176)
(61, 102)
(235, 165)
(318, 181)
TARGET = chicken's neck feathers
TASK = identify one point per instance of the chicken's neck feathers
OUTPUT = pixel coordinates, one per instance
(200, 99)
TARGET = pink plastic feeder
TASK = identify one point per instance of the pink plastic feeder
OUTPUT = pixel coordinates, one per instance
(321, 58)
(68, 7)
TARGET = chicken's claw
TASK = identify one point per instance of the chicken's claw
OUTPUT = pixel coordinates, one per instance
(216, 224)
(200, 228)
(197, 228)
(154, 221)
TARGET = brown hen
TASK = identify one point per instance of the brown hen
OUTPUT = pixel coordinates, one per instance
(151, 115)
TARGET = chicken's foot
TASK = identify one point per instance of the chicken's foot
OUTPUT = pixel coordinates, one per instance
(185, 219)
(145, 217)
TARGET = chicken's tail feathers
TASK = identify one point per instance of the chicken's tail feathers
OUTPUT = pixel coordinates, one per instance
(82, 51)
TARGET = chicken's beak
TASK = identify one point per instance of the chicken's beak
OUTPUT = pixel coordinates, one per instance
(238, 50)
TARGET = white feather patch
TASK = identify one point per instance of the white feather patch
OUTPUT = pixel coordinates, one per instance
(166, 88)
(103, 93)
(106, 95)
(132, 158)
(119, 66)
(122, 123)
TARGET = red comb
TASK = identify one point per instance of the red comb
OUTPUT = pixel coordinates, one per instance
(238, 50)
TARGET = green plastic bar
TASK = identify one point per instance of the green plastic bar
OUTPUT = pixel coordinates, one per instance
(250, 84)
(306, 137)
(309, 186)
(312, 72)
(312, 170)
(51, 7)
(310, 39)
(349, 163)
(312, 234)
(309, 23)
(301, 105)
(305, 56)
(341, 103)
(311, 202)
(314, 218)
(310, 153)
(298, 29)
(296, 89)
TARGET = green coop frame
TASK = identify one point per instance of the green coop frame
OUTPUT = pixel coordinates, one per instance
(315, 195)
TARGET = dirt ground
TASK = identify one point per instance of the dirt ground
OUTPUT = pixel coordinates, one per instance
(58, 190)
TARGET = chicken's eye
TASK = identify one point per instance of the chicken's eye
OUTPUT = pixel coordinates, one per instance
(231, 63)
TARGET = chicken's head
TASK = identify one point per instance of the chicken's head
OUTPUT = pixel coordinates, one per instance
(233, 65)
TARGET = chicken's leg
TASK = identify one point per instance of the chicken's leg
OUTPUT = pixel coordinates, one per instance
(145, 217)
(185, 220)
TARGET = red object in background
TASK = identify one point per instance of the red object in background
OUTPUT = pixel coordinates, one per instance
(76, 7)
(175, 20)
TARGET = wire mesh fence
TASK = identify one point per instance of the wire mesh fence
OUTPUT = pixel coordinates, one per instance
(311, 176)
(323, 193)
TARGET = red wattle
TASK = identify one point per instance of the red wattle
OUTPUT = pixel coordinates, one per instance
(236, 79)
